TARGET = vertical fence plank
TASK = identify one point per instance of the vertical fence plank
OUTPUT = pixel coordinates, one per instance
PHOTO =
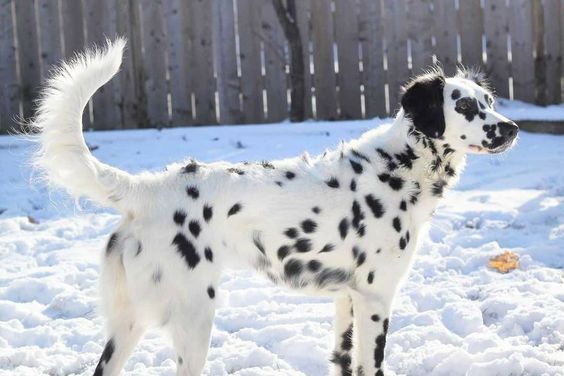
(420, 33)
(101, 19)
(249, 55)
(471, 23)
(445, 31)
(370, 23)
(347, 39)
(323, 60)
(273, 40)
(73, 27)
(496, 26)
(303, 14)
(395, 32)
(228, 83)
(154, 61)
(553, 10)
(30, 70)
(522, 62)
(176, 14)
(202, 61)
(49, 34)
(9, 88)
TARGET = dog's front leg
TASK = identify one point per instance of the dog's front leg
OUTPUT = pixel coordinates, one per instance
(342, 353)
(371, 317)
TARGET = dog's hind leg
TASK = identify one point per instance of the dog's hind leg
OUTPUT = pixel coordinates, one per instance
(342, 353)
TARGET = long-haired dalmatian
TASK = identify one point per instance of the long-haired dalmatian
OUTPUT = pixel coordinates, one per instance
(342, 224)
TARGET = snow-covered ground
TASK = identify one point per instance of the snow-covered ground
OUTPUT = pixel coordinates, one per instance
(454, 316)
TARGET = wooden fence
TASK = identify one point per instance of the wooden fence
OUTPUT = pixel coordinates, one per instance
(193, 62)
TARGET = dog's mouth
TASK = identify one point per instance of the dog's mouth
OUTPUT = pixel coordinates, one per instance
(490, 149)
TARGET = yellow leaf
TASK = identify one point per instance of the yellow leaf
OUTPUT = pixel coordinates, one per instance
(505, 262)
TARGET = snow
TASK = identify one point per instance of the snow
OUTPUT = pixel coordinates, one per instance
(453, 316)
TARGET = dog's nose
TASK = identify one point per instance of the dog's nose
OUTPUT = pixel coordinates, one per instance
(508, 129)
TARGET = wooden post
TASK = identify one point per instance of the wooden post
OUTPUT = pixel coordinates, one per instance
(324, 68)
(347, 39)
(50, 34)
(29, 64)
(420, 32)
(523, 65)
(496, 25)
(228, 82)
(177, 22)
(371, 22)
(73, 27)
(395, 32)
(9, 88)
(445, 30)
(553, 18)
(303, 15)
(471, 21)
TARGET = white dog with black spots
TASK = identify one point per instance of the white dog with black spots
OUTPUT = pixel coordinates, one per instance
(342, 224)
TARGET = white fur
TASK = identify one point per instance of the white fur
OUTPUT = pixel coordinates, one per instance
(145, 279)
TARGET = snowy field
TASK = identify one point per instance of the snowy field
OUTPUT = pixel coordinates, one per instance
(454, 316)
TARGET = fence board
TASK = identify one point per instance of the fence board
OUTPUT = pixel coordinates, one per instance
(496, 25)
(470, 19)
(273, 40)
(347, 39)
(303, 15)
(395, 33)
(73, 27)
(445, 31)
(202, 61)
(176, 14)
(370, 24)
(228, 83)
(420, 24)
(249, 55)
(49, 34)
(30, 70)
(553, 10)
(9, 88)
(324, 68)
(154, 61)
(522, 62)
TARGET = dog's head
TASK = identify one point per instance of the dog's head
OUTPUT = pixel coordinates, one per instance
(460, 110)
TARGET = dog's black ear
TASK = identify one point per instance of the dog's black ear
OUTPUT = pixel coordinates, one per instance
(423, 101)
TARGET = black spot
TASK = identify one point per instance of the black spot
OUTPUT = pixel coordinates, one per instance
(385, 326)
(279, 183)
(449, 170)
(357, 213)
(388, 158)
(402, 243)
(463, 137)
(293, 267)
(375, 318)
(406, 158)
(209, 254)
(207, 213)
(374, 205)
(179, 217)
(353, 185)
(468, 107)
(438, 188)
(105, 358)
(316, 210)
(344, 228)
(267, 164)
(112, 242)
(346, 339)
(292, 233)
(235, 170)
(448, 150)
(139, 249)
(396, 183)
(194, 228)
(482, 106)
(482, 115)
(327, 248)
(333, 182)
(360, 155)
(303, 245)
(332, 276)
(370, 278)
(283, 251)
(455, 94)
(407, 236)
(313, 266)
(309, 226)
(357, 167)
(234, 209)
(190, 168)
(361, 230)
(379, 350)
(359, 371)
(193, 192)
(180, 360)
(342, 360)
(403, 205)
(186, 250)
(290, 175)
(211, 292)
(361, 258)
(397, 224)
(258, 242)
(379, 373)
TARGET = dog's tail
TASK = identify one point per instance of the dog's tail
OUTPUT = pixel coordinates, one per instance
(63, 158)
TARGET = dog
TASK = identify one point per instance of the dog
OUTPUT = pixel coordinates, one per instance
(342, 224)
